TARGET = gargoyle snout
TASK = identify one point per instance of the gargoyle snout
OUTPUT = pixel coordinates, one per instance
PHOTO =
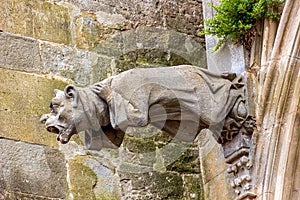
(44, 118)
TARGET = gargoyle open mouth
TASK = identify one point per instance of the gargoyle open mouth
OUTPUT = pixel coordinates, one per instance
(64, 134)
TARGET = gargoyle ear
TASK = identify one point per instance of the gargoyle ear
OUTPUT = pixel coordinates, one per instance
(70, 91)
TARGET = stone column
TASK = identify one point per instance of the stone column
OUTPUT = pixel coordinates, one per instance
(277, 156)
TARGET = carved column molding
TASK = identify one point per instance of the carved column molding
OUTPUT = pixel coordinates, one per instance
(278, 113)
(237, 142)
(237, 152)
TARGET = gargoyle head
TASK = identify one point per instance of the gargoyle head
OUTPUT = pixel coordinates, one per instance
(74, 110)
(60, 119)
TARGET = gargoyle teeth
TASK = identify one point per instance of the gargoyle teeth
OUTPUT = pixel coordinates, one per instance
(63, 139)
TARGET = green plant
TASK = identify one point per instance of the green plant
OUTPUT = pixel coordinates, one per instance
(236, 19)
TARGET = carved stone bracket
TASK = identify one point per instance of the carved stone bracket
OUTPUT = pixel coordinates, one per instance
(236, 139)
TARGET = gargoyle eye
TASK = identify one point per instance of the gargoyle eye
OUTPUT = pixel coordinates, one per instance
(53, 107)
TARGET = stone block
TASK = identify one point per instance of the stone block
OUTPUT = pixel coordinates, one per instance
(90, 32)
(187, 47)
(193, 188)
(38, 19)
(24, 98)
(19, 53)
(112, 46)
(212, 157)
(102, 70)
(152, 38)
(93, 6)
(218, 188)
(67, 62)
(152, 185)
(30, 171)
(90, 179)
(188, 162)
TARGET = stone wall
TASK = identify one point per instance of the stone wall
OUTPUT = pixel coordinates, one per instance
(47, 44)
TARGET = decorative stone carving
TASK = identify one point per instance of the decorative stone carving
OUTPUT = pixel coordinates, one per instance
(237, 147)
(180, 100)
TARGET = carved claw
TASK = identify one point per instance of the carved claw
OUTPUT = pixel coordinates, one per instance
(102, 90)
(228, 76)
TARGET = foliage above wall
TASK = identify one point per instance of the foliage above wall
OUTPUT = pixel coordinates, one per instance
(236, 19)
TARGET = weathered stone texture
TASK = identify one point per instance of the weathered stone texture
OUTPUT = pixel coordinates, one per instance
(38, 19)
(87, 41)
(90, 32)
(193, 187)
(96, 21)
(151, 47)
(68, 62)
(218, 188)
(19, 53)
(214, 175)
(152, 185)
(90, 179)
(24, 98)
(31, 171)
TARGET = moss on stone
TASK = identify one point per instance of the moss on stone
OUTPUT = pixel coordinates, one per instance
(188, 162)
(82, 178)
(146, 140)
(139, 145)
(168, 185)
(148, 58)
(39, 19)
(193, 187)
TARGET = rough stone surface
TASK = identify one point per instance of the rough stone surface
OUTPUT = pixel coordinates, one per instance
(156, 185)
(68, 62)
(193, 188)
(148, 46)
(19, 53)
(24, 97)
(99, 19)
(82, 180)
(218, 188)
(87, 41)
(38, 19)
(89, 179)
(212, 159)
(213, 168)
(31, 171)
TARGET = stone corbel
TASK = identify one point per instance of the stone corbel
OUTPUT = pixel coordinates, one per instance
(236, 140)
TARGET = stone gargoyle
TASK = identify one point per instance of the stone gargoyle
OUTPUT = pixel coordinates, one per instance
(180, 100)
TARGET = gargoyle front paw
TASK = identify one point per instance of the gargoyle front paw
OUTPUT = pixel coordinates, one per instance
(101, 90)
